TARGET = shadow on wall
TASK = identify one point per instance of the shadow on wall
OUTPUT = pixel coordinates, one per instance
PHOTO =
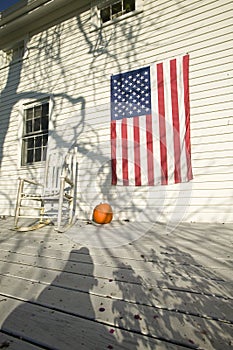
(11, 97)
(47, 55)
(102, 46)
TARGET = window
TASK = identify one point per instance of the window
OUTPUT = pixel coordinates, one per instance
(35, 133)
(116, 9)
(107, 12)
(13, 54)
(16, 53)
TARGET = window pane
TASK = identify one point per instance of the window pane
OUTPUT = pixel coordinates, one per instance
(29, 113)
(45, 123)
(129, 5)
(38, 142)
(105, 14)
(15, 54)
(21, 50)
(37, 111)
(30, 143)
(37, 124)
(37, 154)
(45, 109)
(45, 140)
(28, 126)
(117, 8)
(30, 156)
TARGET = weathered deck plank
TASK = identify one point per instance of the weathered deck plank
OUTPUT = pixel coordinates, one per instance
(176, 248)
(169, 300)
(12, 343)
(161, 291)
(152, 255)
(175, 327)
(54, 329)
(157, 275)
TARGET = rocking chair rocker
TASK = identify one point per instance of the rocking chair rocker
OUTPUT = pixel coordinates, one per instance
(56, 195)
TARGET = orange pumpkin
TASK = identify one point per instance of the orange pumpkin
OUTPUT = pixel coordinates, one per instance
(102, 213)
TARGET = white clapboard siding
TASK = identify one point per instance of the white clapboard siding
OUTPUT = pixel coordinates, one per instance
(66, 62)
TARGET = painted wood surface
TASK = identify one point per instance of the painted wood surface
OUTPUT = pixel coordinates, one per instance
(72, 62)
(153, 293)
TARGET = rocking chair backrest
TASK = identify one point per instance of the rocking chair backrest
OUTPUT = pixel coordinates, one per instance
(70, 164)
(59, 163)
(53, 170)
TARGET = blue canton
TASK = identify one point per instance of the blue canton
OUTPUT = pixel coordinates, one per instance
(131, 94)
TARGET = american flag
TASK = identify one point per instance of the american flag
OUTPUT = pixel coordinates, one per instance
(150, 125)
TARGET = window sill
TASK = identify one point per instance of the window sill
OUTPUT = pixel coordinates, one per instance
(37, 165)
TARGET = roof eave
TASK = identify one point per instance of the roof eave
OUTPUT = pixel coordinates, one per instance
(31, 16)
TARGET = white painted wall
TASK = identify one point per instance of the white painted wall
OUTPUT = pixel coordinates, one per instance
(73, 63)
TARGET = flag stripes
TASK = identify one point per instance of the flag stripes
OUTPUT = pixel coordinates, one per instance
(151, 148)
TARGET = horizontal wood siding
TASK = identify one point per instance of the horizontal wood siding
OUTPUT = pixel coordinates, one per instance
(73, 62)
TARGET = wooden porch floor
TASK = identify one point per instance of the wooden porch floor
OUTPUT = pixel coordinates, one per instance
(165, 290)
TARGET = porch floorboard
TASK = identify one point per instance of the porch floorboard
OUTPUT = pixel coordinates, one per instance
(164, 290)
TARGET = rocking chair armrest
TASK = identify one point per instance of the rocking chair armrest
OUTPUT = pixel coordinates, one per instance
(32, 182)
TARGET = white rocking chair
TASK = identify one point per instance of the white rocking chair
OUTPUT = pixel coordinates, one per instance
(58, 189)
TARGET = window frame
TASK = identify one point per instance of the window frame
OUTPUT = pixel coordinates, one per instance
(97, 5)
(115, 9)
(14, 53)
(41, 132)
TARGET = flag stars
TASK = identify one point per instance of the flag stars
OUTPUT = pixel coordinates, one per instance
(131, 93)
